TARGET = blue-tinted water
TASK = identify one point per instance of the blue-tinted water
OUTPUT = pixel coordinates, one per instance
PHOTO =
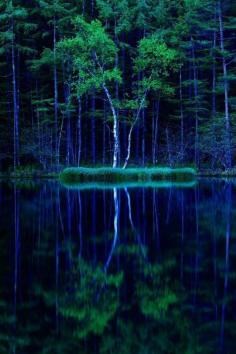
(138, 270)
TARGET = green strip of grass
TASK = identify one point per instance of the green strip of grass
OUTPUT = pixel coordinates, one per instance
(106, 175)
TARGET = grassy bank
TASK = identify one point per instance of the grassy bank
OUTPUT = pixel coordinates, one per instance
(28, 172)
(217, 173)
(75, 175)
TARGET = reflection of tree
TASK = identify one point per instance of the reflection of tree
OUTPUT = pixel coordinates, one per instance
(153, 320)
(143, 307)
(93, 301)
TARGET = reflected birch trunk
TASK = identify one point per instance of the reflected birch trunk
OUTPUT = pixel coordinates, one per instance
(116, 228)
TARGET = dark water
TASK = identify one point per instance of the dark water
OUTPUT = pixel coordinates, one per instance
(117, 271)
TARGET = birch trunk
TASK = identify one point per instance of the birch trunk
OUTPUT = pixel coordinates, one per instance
(131, 130)
(115, 129)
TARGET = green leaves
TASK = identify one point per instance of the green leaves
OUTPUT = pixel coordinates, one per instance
(154, 55)
(93, 53)
(156, 60)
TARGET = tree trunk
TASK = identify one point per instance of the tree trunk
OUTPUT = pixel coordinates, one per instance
(195, 86)
(68, 125)
(55, 94)
(132, 128)
(15, 103)
(104, 135)
(93, 128)
(79, 131)
(143, 137)
(214, 97)
(155, 131)
(181, 116)
(115, 129)
(226, 93)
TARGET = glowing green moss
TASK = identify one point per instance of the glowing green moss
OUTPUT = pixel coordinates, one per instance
(132, 176)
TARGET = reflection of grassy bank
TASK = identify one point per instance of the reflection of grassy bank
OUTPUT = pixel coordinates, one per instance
(130, 175)
(104, 185)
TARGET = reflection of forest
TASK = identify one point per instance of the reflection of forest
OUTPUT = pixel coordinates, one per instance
(127, 271)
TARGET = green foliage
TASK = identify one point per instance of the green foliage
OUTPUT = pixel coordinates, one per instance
(68, 50)
(111, 175)
(93, 53)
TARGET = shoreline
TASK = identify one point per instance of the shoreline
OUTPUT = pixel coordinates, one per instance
(56, 175)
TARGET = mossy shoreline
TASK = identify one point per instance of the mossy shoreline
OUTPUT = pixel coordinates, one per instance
(49, 174)
(78, 175)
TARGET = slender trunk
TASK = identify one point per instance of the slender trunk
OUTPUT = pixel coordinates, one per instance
(132, 128)
(117, 91)
(15, 103)
(68, 125)
(59, 137)
(214, 77)
(136, 233)
(104, 135)
(79, 131)
(39, 133)
(155, 132)
(195, 85)
(143, 138)
(115, 129)
(226, 92)
(116, 227)
(213, 97)
(93, 128)
(55, 94)
(181, 116)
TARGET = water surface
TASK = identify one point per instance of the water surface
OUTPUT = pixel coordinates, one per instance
(121, 270)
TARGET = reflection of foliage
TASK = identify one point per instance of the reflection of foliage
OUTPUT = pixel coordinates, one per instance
(159, 299)
(94, 299)
(12, 336)
(157, 303)
(165, 307)
(156, 294)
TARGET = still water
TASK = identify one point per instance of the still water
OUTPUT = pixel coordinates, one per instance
(136, 270)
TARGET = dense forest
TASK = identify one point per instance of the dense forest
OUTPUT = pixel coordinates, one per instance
(106, 82)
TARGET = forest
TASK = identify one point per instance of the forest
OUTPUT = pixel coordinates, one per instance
(117, 83)
(116, 117)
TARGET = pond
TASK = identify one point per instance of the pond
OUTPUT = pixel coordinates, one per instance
(120, 270)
